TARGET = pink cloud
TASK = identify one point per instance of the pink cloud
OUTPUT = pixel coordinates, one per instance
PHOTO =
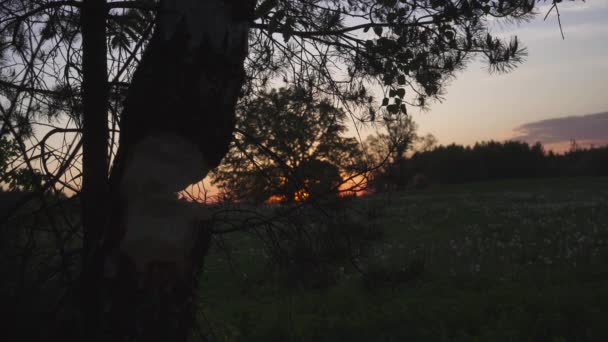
(556, 134)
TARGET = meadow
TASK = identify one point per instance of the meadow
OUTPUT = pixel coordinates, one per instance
(519, 260)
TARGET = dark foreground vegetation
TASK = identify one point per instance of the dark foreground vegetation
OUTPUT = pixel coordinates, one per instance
(516, 260)
(125, 103)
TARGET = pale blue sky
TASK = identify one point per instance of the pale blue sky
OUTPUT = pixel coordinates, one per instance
(560, 78)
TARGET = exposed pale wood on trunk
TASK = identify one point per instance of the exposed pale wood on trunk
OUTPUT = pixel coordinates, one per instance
(176, 127)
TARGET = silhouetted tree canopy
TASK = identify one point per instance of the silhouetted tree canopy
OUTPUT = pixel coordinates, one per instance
(338, 47)
(14, 177)
(287, 140)
(8, 151)
(342, 49)
(399, 138)
(102, 72)
(388, 152)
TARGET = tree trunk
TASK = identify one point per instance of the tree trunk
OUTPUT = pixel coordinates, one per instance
(95, 158)
(176, 127)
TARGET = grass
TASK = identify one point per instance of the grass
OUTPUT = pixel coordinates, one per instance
(503, 261)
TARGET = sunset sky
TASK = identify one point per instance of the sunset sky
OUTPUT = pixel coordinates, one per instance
(559, 93)
(559, 79)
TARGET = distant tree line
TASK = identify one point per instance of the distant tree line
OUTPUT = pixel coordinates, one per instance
(489, 161)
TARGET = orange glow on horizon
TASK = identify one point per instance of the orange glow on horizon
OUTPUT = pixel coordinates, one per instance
(354, 186)
(301, 195)
(274, 199)
(204, 192)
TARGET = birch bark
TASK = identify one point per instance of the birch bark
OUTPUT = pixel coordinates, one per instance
(176, 127)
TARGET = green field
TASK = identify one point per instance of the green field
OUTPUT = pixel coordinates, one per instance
(491, 261)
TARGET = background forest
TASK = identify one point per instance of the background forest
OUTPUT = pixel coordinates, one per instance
(333, 218)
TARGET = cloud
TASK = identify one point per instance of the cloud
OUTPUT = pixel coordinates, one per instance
(586, 129)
